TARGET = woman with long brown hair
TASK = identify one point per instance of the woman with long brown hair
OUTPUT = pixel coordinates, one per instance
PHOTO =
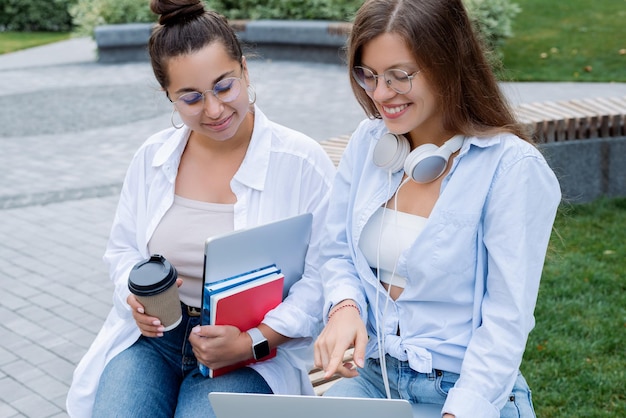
(438, 221)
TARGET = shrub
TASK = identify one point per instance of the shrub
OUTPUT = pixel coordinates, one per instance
(87, 14)
(35, 15)
(493, 20)
(339, 10)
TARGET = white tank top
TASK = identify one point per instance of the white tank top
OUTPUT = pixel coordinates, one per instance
(180, 238)
(384, 246)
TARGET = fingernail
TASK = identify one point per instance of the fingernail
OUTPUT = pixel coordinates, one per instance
(196, 329)
(160, 334)
(161, 329)
(140, 310)
(156, 322)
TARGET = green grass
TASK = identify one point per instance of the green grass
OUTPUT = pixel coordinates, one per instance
(575, 360)
(14, 41)
(573, 40)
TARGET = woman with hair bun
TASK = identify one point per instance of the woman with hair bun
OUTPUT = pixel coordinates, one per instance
(223, 166)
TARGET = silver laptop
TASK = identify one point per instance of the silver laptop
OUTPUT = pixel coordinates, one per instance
(242, 405)
(284, 243)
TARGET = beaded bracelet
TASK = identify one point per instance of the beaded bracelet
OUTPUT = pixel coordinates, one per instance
(344, 306)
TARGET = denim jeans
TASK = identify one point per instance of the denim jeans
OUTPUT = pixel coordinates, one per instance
(159, 377)
(428, 388)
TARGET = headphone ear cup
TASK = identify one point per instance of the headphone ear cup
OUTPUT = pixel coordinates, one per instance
(427, 162)
(390, 152)
(424, 164)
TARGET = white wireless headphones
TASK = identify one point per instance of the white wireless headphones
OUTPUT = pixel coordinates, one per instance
(424, 164)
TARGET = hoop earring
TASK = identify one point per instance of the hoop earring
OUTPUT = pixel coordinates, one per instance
(173, 123)
(251, 94)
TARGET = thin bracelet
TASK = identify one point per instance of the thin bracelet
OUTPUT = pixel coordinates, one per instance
(344, 306)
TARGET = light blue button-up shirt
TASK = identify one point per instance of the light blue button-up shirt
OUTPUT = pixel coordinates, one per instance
(472, 274)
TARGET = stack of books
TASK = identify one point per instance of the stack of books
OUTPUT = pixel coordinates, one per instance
(241, 301)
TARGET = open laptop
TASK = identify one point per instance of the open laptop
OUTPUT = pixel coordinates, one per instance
(284, 242)
(242, 405)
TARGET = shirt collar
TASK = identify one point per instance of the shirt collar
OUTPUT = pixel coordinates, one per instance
(255, 165)
(175, 142)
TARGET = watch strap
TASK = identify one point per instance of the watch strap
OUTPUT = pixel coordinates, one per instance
(260, 345)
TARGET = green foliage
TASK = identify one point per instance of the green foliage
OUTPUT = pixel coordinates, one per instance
(35, 15)
(338, 10)
(574, 359)
(493, 19)
(87, 14)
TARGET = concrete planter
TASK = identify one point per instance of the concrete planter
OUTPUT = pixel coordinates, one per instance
(301, 40)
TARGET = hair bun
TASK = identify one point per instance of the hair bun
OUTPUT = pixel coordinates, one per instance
(173, 11)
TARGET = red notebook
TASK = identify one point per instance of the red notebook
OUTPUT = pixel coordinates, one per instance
(245, 306)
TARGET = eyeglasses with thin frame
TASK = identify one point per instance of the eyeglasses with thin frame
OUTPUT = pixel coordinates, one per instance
(396, 79)
(225, 90)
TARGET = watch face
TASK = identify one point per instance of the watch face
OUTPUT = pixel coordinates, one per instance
(261, 350)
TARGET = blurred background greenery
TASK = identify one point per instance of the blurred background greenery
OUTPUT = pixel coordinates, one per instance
(534, 40)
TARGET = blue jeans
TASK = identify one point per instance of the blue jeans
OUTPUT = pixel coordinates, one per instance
(159, 377)
(428, 388)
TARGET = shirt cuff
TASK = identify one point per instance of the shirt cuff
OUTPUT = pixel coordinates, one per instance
(463, 403)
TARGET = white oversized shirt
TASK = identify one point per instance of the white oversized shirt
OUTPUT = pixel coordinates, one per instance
(472, 273)
(284, 173)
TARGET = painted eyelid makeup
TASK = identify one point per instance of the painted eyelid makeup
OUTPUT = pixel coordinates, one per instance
(185, 90)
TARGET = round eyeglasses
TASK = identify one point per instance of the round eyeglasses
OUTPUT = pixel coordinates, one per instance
(398, 80)
(225, 90)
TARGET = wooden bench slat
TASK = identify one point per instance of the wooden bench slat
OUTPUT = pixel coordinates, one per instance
(566, 120)
(316, 375)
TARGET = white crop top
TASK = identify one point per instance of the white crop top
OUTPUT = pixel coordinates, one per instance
(399, 230)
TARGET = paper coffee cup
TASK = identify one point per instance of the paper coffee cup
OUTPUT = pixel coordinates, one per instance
(153, 282)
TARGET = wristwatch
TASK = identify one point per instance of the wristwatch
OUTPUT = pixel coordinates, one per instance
(260, 346)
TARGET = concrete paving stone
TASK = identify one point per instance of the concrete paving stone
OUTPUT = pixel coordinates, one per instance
(6, 356)
(36, 406)
(75, 349)
(7, 411)
(36, 354)
(6, 314)
(48, 387)
(60, 402)
(22, 326)
(35, 314)
(60, 369)
(45, 300)
(61, 290)
(13, 302)
(12, 390)
(23, 371)
(53, 323)
(8, 270)
(100, 308)
(14, 284)
(51, 338)
(11, 340)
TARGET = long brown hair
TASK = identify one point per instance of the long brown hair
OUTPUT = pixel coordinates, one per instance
(185, 26)
(449, 54)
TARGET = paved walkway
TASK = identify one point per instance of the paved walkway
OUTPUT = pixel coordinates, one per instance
(68, 128)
